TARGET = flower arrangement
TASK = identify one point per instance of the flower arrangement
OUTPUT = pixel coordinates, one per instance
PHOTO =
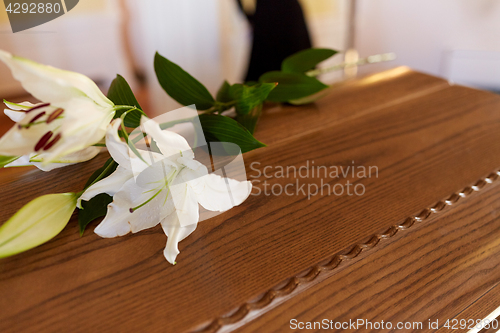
(152, 176)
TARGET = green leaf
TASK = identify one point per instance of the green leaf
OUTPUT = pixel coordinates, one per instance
(248, 98)
(180, 85)
(97, 206)
(291, 86)
(36, 223)
(4, 160)
(93, 209)
(120, 94)
(305, 60)
(108, 168)
(219, 128)
(250, 120)
(223, 94)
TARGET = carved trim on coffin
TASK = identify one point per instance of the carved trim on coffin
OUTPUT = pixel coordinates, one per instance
(290, 284)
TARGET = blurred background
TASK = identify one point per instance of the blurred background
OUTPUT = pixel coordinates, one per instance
(212, 39)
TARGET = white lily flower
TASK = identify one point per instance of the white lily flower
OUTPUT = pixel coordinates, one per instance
(164, 188)
(61, 130)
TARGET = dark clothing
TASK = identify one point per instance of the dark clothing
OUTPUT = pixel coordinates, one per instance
(279, 30)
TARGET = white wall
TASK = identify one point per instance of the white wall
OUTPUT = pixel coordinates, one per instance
(457, 39)
(187, 33)
(328, 23)
(87, 40)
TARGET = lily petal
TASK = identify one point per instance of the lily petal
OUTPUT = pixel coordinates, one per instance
(110, 185)
(80, 156)
(20, 106)
(170, 143)
(120, 220)
(123, 155)
(221, 194)
(50, 84)
(118, 149)
(186, 205)
(175, 233)
(77, 157)
(22, 141)
(84, 124)
(16, 111)
(15, 116)
(21, 161)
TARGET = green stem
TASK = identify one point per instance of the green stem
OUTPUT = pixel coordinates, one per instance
(129, 109)
(363, 61)
(129, 142)
(211, 110)
(219, 107)
(122, 107)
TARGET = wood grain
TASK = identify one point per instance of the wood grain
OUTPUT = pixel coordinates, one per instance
(427, 138)
(345, 102)
(429, 273)
(478, 309)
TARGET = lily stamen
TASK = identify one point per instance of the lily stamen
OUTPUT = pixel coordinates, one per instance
(167, 181)
(35, 118)
(38, 107)
(145, 202)
(43, 141)
(53, 142)
(54, 115)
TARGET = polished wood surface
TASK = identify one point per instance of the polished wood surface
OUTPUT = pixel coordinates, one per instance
(256, 267)
(431, 272)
